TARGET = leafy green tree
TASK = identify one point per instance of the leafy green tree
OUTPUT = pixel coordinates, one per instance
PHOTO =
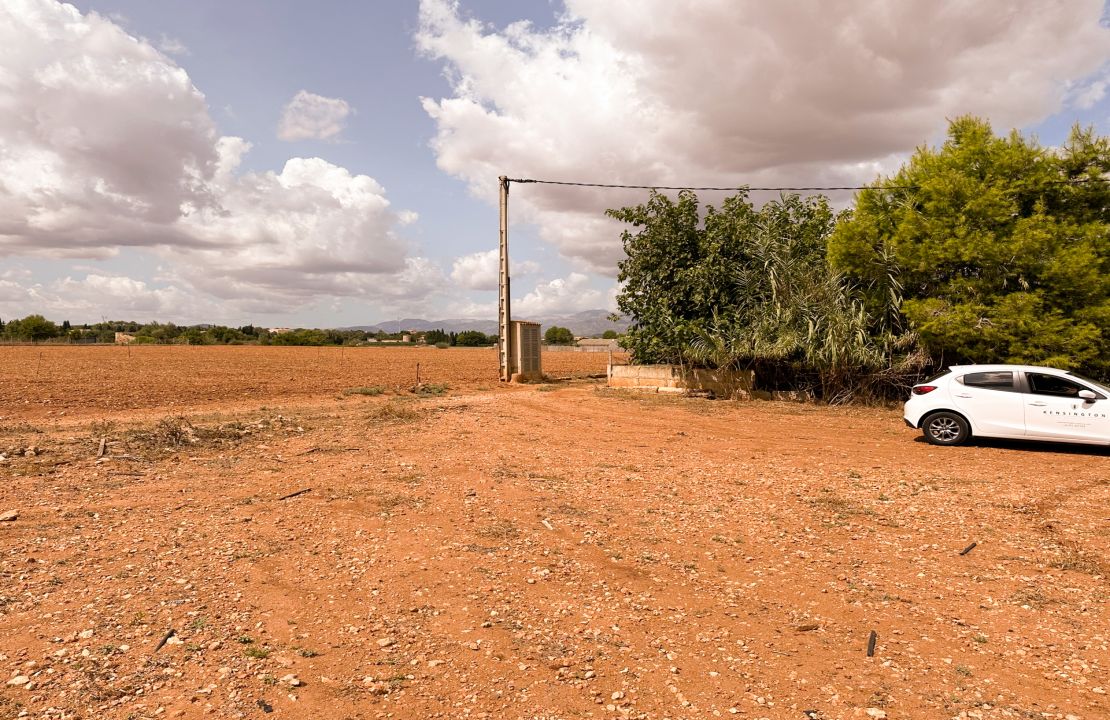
(473, 338)
(556, 335)
(196, 336)
(989, 249)
(434, 337)
(301, 337)
(35, 328)
(609, 335)
(743, 287)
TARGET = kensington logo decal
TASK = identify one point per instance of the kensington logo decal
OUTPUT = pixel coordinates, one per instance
(1073, 414)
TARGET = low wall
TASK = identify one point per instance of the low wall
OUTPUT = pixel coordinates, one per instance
(671, 378)
(577, 349)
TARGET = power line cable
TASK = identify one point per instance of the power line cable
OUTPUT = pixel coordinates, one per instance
(1073, 181)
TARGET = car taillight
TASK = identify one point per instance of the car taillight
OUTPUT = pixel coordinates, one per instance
(923, 389)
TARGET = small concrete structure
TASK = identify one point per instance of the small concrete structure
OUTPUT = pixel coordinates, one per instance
(124, 338)
(525, 358)
(675, 379)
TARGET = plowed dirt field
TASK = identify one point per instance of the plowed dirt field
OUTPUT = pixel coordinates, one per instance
(231, 532)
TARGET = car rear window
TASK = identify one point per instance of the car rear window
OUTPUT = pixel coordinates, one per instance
(992, 379)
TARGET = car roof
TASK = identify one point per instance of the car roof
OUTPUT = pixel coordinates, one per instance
(997, 366)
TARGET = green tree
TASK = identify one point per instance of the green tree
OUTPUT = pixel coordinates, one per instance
(473, 338)
(434, 337)
(989, 249)
(609, 335)
(744, 287)
(556, 335)
(35, 328)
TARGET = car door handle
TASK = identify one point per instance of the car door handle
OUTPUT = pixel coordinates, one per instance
(1038, 404)
(964, 395)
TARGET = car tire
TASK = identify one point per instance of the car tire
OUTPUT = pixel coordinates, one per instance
(945, 428)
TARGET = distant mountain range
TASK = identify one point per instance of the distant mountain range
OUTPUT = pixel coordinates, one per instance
(587, 322)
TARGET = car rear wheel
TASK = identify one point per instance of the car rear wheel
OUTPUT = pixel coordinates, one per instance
(946, 428)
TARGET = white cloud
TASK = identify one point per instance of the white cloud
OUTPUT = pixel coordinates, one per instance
(98, 295)
(560, 296)
(105, 143)
(102, 139)
(172, 46)
(480, 270)
(313, 117)
(732, 92)
(1087, 94)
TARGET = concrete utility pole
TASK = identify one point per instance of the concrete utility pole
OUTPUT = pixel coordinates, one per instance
(504, 324)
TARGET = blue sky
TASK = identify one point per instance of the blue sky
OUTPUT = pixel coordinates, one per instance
(436, 99)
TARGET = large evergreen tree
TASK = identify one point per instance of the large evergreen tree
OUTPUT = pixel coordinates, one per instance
(993, 249)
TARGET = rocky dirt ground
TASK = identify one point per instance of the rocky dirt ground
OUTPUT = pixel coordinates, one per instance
(552, 551)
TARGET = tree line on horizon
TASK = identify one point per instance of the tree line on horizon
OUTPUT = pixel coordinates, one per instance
(985, 250)
(37, 329)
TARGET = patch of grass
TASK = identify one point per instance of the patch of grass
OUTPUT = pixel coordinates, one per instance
(257, 652)
(101, 428)
(245, 639)
(500, 530)
(20, 428)
(1031, 597)
(980, 638)
(430, 389)
(390, 501)
(394, 412)
(198, 623)
(1072, 558)
(305, 652)
(173, 432)
(963, 670)
(372, 390)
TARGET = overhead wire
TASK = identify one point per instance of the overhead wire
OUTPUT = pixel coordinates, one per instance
(750, 188)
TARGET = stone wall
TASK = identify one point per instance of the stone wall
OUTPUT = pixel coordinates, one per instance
(671, 378)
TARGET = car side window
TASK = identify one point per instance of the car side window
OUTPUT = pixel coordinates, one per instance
(1041, 384)
(990, 380)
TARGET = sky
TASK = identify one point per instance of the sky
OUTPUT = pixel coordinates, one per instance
(335, 163)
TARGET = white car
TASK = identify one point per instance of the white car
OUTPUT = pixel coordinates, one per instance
(1023, 402)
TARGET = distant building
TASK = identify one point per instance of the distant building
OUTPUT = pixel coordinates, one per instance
(279, 331)
(124, 338)
(598, 343)
(406, 337)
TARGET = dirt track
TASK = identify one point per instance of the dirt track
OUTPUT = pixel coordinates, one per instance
(558, 551)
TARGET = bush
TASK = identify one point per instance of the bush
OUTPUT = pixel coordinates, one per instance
(443, 345)
(371, 391)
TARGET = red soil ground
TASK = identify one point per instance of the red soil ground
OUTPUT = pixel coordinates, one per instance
(552, 551)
